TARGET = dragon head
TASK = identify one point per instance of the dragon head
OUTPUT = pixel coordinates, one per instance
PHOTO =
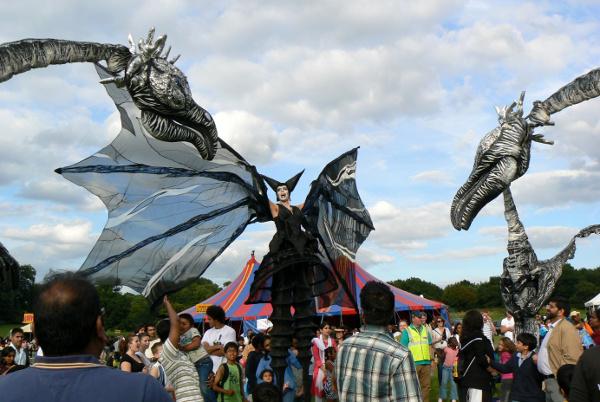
(502, 157)
(161, 91)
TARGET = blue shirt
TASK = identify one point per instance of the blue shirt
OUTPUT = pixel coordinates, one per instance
(373, 366)
(79, 378)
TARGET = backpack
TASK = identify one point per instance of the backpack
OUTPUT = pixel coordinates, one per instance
(461, 367)
(225, 376)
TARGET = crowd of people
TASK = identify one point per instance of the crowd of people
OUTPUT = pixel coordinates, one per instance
(172, 360)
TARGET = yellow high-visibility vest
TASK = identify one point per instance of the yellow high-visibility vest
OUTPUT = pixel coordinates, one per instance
(418, 343)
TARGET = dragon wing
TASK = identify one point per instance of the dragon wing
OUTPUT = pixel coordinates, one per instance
(336, 215)
(170, 213)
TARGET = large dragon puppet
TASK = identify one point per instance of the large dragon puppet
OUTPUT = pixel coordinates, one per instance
(176, 194)
(503, 156)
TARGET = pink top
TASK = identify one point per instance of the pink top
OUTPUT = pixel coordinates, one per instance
(503, 359)
(450, 356)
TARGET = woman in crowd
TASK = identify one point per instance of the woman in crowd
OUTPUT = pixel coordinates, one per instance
(7, 360)
(506, 348)
(440, 336)
(321, 343)
(456, 332)
(129, 360)
(476, 373)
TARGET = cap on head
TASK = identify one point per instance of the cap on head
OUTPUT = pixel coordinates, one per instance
(574, 313)
(418, 314)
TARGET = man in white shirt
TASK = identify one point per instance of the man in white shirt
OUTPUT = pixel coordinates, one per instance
(489, 329)
(561, 345)
(16, 341)
(507, 326)
(217, 336)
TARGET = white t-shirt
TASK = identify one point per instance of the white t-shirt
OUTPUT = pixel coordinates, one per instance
(508, 322)
(221, 336)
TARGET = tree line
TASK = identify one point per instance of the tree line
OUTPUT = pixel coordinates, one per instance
(577, 285)
(126, 310)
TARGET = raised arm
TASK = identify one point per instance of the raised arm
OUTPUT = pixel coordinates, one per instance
(174, 321)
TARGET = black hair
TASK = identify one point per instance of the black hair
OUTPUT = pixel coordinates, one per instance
(262, 373)
(162, 330)
(65, 314)
(258, 340)
(188, 318)
(328, 352)
(266, 392)
(150, 325)
(564, 375)
(472, 322)
(229, 345)
(143, 335)
(17, 330)
(562, 303)
(216, 313)
(138, 328)
(377, 302)
(527, 340)
(5, 352)
(323, 325)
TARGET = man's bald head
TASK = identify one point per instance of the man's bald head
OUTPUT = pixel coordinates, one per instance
(66, 313)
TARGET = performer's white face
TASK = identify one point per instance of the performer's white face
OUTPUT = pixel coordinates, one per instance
(282, 193)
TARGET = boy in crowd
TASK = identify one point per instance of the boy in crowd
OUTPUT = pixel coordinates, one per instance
(157, 370)
(229, 380)
(527, 383)
(178, 367)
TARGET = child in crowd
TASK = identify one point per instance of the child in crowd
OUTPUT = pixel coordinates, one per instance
(267, 375)
(506, 348)
(527, 382)
(449, 355)
(178, 367)
(229, 381)
(328, 391)
(564, 376)
(157, 370)
(190, 342)
(7, 359)
(144, 343)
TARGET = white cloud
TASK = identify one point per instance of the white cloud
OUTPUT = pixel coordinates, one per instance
(405, 229)
(433, 176)
(539, 236)
(462, 254)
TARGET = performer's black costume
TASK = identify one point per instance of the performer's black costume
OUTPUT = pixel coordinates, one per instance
(288, 277)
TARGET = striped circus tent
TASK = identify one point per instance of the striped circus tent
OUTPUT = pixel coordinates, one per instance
(233, 296)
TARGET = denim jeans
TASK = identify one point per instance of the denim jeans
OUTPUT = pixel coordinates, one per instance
(447, 378)
(204, 367)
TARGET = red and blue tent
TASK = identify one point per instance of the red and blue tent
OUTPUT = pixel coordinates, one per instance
(232, 299)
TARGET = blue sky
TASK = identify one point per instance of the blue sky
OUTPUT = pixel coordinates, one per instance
(291, 86)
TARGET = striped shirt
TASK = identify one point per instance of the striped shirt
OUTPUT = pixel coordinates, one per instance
(372, 366)
(181, 373)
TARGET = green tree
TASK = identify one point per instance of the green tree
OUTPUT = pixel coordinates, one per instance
(489, 294)
(420, 287)
(584, 291)
(460, 297)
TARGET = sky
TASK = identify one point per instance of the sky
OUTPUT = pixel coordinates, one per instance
(291, 86)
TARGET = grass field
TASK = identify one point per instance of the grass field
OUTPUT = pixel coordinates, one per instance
(6, 328)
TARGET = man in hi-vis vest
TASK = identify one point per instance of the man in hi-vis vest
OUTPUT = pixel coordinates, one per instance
(418, 341)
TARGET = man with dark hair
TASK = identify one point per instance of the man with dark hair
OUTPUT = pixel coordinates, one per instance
(218, 335)
(372, 365)
(16, 341)
(68, 326)
(151, 328)
(561, 345)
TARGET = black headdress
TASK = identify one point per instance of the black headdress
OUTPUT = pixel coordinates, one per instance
(290, 184)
